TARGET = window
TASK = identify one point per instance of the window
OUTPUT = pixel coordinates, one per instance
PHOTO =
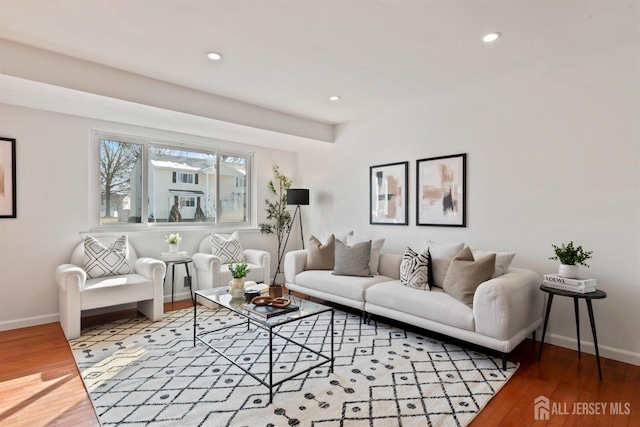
(180, 184)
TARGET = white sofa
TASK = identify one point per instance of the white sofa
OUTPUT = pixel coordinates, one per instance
(506, 309)
(212, 273)
(77, 293)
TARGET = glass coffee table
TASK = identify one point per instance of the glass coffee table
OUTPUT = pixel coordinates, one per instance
(272, 325)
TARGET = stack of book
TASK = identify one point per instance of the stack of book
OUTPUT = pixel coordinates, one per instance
(173, 256)
(580, 286)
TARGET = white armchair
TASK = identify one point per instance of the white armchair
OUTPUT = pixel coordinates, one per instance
(211, 273)
(77, 293)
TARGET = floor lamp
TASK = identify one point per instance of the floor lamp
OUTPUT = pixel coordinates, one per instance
(298, 197)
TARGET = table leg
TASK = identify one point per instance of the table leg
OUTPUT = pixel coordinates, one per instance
(546, 320)
(575, 306)
(173, 280)
(194, 323)
(270, 366)
(186, 267)
(331, 369)
(595, 338)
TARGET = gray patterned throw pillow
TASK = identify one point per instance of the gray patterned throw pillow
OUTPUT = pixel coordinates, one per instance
(414, 269)
(352, 260)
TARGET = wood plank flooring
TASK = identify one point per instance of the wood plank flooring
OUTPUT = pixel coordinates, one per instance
(40, 384)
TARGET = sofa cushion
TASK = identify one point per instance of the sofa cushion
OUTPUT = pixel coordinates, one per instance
(436, 305)
(351, 287)
(503, 259)
(352, 260)
(320, 256)
(227, 247)
(414, 269)
(441, 256)
(466, 274)
(376, 246)
(102, 261)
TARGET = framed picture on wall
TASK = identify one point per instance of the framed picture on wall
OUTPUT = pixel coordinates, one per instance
(441, 191)
(388, 194)
(7, 178)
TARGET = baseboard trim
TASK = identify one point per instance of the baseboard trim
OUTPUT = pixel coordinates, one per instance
(29, 321)
(588, 347)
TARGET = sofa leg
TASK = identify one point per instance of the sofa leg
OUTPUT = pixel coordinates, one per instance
(504, 361)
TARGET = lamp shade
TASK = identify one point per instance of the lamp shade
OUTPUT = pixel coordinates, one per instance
(297, 196)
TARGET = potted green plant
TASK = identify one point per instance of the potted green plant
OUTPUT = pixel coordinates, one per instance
(570, 257)
(277, 211)
(238, 272)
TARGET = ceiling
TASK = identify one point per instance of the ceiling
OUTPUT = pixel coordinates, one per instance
(291, 55)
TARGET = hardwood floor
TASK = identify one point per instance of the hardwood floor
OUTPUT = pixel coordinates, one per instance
(40, 384)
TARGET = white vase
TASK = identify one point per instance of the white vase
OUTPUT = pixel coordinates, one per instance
(174, 247)
(569, 271)
(236, 288)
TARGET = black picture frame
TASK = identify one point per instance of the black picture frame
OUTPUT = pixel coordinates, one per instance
(7, 178)
(388, 194)
(441, 191)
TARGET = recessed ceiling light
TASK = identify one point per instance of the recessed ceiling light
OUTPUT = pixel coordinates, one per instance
(334, 98)
(214, 56)
(491, 37)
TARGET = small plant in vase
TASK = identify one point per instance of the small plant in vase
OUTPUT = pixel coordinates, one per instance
(570, 257)
(174, 241)
(238, 272)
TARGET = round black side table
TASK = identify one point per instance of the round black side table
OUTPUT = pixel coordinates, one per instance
(598, 294)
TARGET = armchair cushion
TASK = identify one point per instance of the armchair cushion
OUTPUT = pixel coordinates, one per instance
(102, 261)
(227, 247)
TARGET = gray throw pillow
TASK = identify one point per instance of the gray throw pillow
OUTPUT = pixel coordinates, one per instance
(352, 260)
(319, 256)
(414, 269)
(465, 275)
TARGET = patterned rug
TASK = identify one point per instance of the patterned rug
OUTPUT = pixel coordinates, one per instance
(140, 373)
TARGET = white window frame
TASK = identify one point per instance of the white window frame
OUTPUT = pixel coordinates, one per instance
(146, 142)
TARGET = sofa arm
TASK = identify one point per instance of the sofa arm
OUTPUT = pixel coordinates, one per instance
(508, 304)
(70, 277)
(261, 258)
(151, 268)
(207, 270)
(294, 263)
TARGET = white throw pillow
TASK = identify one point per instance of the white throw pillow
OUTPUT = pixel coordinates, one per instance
(441, 256)
(101, 261)
(503, 259)
(376, 246)
(227, 247)
(342, 236)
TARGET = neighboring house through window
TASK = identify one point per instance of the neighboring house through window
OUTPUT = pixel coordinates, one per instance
(180, 184)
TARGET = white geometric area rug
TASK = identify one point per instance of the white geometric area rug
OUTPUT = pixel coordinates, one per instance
(140, 373)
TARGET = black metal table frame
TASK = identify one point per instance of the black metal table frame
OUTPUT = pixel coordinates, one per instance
(173, 274)
(576, 296)
(268, 328)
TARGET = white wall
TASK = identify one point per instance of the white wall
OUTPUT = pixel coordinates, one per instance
(54, 207)
(552, 156)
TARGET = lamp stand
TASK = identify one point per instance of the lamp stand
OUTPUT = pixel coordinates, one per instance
(281, 255)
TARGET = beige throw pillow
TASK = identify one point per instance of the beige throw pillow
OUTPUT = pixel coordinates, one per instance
(320, 256)
(503, 259)
(441, 256)
(465, 275)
